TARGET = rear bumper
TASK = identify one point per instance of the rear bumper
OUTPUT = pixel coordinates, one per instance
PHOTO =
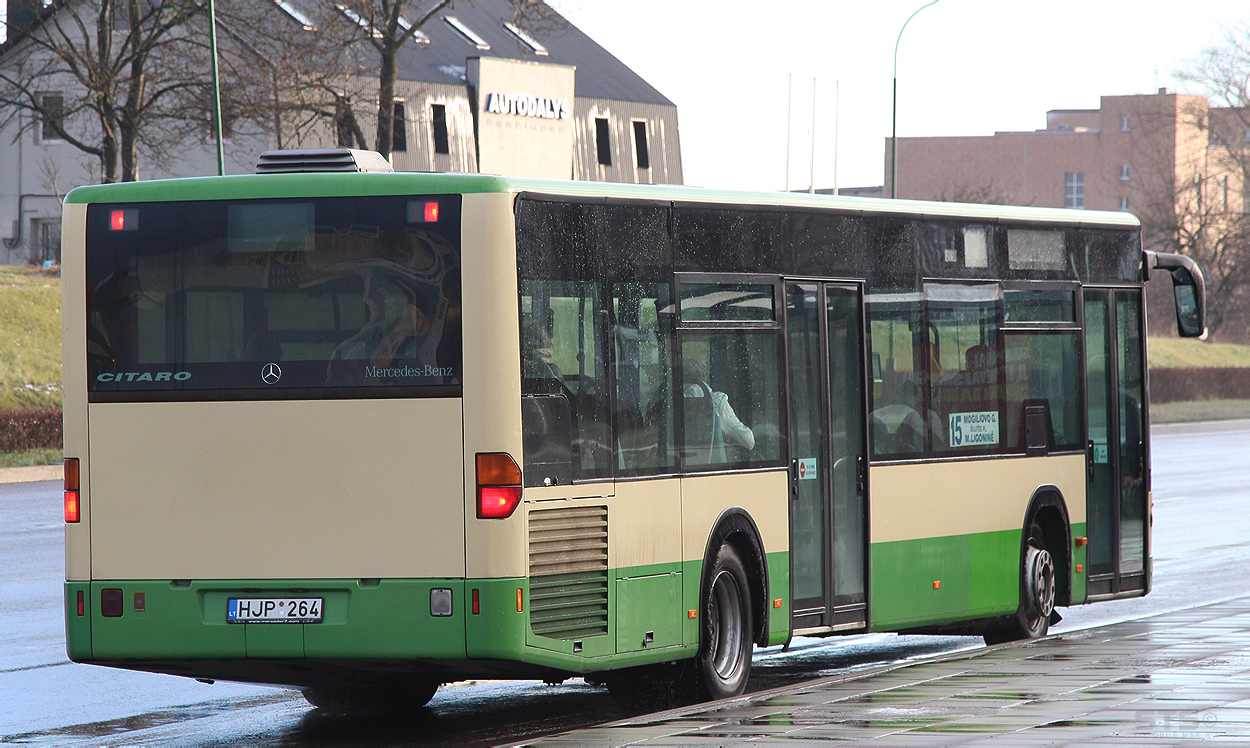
(372, 631)
(363, 620)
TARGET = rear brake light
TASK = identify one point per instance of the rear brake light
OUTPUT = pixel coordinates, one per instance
(498, 485)
(431, 212)
(82, 603)
(123, 220)
(72, 506)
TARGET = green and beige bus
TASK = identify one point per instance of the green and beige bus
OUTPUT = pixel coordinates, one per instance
(364, 433)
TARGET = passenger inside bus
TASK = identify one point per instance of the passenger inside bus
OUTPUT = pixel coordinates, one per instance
(537, 352)
(898, 427)
(711, 423)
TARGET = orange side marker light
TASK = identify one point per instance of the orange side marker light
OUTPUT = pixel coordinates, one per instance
(692, 614)
(1080, 541)
(777, 603)
(1079, 567)
(519, 607)
(937, 584)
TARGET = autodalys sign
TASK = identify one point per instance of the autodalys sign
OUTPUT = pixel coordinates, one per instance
(528, 105)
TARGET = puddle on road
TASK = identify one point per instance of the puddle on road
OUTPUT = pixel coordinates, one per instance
(158, 718)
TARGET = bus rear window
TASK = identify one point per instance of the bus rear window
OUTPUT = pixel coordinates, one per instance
(274, 299)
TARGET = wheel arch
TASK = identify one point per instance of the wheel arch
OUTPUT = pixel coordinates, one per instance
(1050, 510)
(736, 527)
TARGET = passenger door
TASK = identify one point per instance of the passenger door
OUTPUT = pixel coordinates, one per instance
(828, 511)
(1117, 509)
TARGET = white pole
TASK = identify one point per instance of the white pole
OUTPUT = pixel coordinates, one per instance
(789, 101)
(811, 189)
(837, 92)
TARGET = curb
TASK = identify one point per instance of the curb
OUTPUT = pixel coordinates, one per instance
(31, 474)
(1195, 427)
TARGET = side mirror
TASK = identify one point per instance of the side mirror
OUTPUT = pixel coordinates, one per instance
(1188, 289)
(1189, 322)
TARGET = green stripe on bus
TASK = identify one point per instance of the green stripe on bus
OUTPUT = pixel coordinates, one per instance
(953, 578)
(939, 580)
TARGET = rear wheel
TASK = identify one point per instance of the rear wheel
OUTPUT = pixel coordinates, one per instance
(724, 660)
(372, 699)
(1037, 593)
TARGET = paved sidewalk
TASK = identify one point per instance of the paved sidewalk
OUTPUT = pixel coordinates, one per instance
(31, 474)
(1172, 679)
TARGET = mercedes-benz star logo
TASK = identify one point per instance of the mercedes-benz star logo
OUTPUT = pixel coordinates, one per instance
(271, 373)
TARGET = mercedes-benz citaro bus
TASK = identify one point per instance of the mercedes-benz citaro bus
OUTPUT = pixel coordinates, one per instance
(366, 433)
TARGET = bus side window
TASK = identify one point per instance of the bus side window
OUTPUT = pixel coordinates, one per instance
(898, 424)
(731, 398)
(1042, 367)
(645, 437)
(563, 353)
(965, 357)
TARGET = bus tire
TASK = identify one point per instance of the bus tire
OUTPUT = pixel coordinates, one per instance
(1037, 593)
(392, 699)
(725, 642)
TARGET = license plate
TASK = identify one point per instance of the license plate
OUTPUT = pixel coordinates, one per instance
(273, 610)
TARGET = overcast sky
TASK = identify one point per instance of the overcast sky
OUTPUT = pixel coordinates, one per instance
(965, 67)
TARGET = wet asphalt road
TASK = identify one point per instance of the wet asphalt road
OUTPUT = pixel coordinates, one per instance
(1201, 494)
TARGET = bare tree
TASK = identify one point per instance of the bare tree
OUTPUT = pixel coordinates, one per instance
(1194, 189)
(294, 74)
(120, 66)
(986, 193)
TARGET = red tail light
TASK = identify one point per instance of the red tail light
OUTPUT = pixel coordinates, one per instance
(498, 485)
(72, 507)
(431, 212)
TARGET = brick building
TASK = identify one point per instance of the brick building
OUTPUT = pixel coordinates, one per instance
(1124, 155)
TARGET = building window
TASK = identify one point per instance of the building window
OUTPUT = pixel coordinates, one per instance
(344, 124)
(399, 128)
(603, 141)
(1124, 172)
(47, 235)
(1124, 204)
(438, 120)
(1123, 123)
(467, 33)
(1074, 190)
(53, 116)
(526, 39)
(641, 153)
(227, 123)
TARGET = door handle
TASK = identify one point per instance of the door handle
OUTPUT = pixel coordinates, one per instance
(861, 475)
(794, 478)
(1089, 460)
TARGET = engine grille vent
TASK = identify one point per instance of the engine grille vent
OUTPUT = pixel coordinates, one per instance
(569, 572)
(321, 159)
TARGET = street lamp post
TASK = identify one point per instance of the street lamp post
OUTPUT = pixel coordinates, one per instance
(212, 36)
(894, 113)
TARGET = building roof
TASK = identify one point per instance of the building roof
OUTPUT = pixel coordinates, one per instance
(600, 75)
